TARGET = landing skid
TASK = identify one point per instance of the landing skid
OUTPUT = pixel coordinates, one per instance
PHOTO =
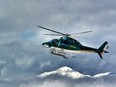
(61, 53)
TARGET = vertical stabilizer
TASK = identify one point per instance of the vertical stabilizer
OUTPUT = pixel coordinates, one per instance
(101, 49)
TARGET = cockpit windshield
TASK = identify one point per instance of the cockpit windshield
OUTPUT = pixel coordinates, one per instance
(53, 40)
(50, 41)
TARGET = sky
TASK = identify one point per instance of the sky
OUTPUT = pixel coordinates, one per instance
(22, 56)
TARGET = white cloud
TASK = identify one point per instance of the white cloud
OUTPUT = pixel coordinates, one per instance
(4, 71)
(94, 84)
(58, 83)
(46, 84)
(2, 62)
(24, 62)
(44, 64)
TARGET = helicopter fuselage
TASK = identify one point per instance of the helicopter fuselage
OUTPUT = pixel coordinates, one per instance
(68, 43)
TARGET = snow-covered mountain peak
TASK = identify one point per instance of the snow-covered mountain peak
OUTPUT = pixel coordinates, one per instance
(65, 69)
(68, 72)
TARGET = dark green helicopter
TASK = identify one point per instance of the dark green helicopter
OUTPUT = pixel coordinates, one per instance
(67, 43)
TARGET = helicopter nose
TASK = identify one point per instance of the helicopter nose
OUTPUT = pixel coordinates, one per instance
(46, 44)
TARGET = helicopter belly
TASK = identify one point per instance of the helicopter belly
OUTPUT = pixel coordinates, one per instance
(75, 50)
(79, 51)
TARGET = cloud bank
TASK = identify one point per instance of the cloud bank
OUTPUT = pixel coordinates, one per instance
(67, 77)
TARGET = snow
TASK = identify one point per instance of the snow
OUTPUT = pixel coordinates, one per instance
(101, 75)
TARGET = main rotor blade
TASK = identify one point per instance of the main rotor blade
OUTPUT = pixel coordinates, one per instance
(85, 38)
(51, 30)
(53, 34)
(81, 33)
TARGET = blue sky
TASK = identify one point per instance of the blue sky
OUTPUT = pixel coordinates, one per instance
(21, 55)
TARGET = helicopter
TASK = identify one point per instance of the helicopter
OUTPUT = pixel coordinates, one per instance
(69, 44)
